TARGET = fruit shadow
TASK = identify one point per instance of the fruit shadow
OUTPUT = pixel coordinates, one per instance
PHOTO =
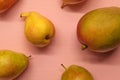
(9, 14)
(104, 58)
(21, 75)
(35, 50)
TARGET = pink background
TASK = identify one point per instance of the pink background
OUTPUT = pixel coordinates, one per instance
(65, 48)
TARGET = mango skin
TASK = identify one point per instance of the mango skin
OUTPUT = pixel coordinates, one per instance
(12, 64)
(99, 29)
(75, 72)
(6, 4)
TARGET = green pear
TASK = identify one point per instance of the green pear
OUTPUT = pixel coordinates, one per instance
(75, 72)
(12, 64)
(38, 29)
(99, 29)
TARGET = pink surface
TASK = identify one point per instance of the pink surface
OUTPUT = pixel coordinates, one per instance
(65, 48)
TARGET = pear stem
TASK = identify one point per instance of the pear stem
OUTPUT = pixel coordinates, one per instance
(63, 5)
(84, 46)
(63, 66)
(24, 15)
(29, 56)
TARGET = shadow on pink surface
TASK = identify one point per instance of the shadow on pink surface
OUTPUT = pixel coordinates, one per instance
(11, 12)
(109, 58)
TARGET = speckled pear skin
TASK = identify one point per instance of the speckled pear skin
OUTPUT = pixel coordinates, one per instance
(75, 72)
(12, 64)
(99, 29)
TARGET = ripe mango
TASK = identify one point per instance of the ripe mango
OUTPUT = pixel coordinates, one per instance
(99, 29)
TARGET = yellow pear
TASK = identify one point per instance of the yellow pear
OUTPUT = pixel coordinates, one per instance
(38, 29)
(12, 64)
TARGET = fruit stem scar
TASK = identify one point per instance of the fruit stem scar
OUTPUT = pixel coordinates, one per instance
(47, 37)
(84, 46)
(63, 66)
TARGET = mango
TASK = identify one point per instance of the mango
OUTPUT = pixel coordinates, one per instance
(99, 29)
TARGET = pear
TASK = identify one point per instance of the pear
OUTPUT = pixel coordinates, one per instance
(12, 64)
(99, 29)
(6, 4)
(75, 72)
(38, 29)
(71, 2)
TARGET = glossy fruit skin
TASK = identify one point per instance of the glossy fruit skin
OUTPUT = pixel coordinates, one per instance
(12, 64)
(99, 29)
(38, 29)
(6, 4)
(75, 72)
